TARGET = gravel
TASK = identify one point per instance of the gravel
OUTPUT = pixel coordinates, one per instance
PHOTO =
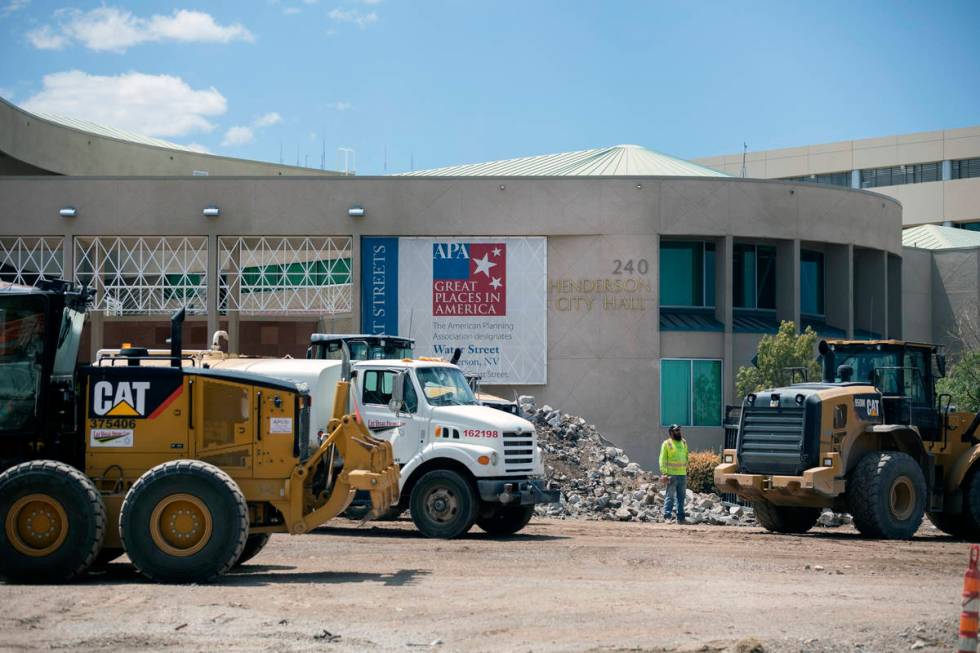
(599, 482)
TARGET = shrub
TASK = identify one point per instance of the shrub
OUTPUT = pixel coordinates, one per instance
(701, 470)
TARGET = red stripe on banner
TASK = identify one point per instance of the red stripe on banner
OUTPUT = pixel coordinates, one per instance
(166, 402)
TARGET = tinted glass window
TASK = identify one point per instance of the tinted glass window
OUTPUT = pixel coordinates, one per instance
(21, 359)
(811, 283)
(681, 273)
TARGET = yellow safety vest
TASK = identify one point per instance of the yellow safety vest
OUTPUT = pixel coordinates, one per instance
(673, 457)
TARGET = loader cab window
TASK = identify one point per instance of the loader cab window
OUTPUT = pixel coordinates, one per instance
(864, 362)
(916, 377)
(21, 359)
(69, 337)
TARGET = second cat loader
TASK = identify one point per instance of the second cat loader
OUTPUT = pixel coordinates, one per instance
(186, 470)
(872, 439)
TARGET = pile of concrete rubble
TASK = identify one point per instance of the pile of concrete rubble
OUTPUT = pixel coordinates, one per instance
(598, 480)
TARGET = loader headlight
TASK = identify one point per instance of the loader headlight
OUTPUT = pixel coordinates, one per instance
(729, 458)
(319, 436)
(828, 462)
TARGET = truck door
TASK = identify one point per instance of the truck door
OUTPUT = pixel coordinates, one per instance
(409, 425)
(919, 391)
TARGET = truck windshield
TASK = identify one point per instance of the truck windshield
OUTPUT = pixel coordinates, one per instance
(445, 386)
(69, 337)
(21, 359)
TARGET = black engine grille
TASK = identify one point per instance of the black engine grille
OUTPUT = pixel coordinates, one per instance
(772, 441)
(518, 452)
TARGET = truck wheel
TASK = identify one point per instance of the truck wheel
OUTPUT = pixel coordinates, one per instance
(253, 545)
(950, 524)
(53, 522)
(887, 495)
(506, 520)
(184, 521)
(443, 504)
(966, 525)
(785, 519)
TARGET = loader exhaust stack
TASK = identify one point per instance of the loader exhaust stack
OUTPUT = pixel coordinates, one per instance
(828, 361)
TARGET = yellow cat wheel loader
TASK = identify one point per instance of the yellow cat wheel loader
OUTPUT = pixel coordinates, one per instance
(873, 439)
(186, 470)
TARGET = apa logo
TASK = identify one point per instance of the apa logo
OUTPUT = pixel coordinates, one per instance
(120, 399)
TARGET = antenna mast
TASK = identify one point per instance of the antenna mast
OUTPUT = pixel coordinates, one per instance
(745, 151)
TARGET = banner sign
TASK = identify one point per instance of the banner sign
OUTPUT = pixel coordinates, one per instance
(379, 285)
(485, 296)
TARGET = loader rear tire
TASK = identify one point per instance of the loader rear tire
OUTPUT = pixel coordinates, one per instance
(184, 521)
(506, 520)
(52, 522)
(966, 525)
(443, 504)
(886, 495)
(954, 525)
(253, 546)
(785, 519)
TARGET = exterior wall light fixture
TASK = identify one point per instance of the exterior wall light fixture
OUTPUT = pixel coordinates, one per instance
(356, 211)
(211, 211)
(68, 212)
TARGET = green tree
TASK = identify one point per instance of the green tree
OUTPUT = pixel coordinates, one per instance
(785, 349)
(962, 381)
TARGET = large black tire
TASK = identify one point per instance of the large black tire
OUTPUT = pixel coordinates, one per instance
(886, 495)
(184, 521)
(505, 520)
(951, 524)
(253, 545)
(106, 555)
(785, 519)
(443, 504)
(53, 522)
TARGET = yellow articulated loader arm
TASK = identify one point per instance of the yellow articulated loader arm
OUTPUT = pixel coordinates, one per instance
(368, 464)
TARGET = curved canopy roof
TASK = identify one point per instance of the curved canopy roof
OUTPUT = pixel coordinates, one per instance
(618, 160)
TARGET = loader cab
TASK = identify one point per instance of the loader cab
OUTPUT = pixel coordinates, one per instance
(904, 373)
(40, 332)
(363, 347)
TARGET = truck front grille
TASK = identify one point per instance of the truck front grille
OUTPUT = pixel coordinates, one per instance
(772, 441)
(518, 452)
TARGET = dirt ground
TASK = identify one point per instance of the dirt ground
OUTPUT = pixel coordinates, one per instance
(559, 586)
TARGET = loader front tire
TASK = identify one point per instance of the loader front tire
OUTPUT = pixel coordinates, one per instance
(951, 524)
(785, 519)
(443, 504)
(506, 520)
(887, 495)
(184, 521)
(52, 522)
(966, 525)
(253, 545)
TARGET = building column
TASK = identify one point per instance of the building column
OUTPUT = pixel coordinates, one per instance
(68, 258)
(212, 290)
(788, 281)
(96, 321)
(724, 312)
(234, 300)
(855, 178)
(884, 275)
(839, 287)
(947, 170)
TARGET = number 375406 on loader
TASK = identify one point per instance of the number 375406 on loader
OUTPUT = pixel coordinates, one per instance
(186, 470)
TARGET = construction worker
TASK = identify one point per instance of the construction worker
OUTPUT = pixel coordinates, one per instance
(673, 468)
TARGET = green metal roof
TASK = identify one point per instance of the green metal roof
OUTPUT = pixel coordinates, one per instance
(933, 236)
(110, 132)
(618, 160)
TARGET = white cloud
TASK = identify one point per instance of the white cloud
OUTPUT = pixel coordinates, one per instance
(11, 6)
(271, 118)
(113, 29)
(155, 105)
(197, 147)
(238, 135)
(6, 93)
(291, 11)
(339, 105)
(45, 38)
(354, 16)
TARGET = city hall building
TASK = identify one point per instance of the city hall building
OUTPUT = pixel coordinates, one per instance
(619, 284)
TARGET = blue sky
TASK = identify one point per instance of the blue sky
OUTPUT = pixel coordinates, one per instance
(440, 83)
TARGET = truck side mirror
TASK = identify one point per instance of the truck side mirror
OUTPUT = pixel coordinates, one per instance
(397, 402)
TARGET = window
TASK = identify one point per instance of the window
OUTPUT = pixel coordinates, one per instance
(969, 226)
(811, 283)
(378, 385)
(690, 392)
(445, 386)
(755, 276)
(687, 273)
(913, 173)
(965, 168)
(916, 369)
(825, 179)
(21, 358)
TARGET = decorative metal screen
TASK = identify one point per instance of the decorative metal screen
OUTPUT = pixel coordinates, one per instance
(141, 275)
(266, 274)
(27, 260)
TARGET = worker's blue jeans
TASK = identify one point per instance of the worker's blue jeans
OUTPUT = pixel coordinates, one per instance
(676, 487)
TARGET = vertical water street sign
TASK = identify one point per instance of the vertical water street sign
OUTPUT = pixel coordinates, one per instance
(379, 285)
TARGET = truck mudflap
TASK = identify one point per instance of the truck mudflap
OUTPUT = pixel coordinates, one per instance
(817, 483)
(517, 492)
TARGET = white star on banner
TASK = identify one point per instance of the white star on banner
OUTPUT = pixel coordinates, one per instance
(496, 251)
(483, 265)
(495, 283)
